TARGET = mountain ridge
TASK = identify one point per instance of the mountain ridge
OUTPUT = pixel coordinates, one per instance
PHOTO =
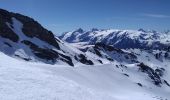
(122, 39)
(23, 37)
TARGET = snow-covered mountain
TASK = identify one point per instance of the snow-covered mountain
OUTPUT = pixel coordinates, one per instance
(147, 52)
(35, 64)
(120, 38)
(22, 80)
(152, 62)
(23, 37)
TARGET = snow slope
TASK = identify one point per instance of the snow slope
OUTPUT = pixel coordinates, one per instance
(24, 38)
(29, 81)
(22, 80)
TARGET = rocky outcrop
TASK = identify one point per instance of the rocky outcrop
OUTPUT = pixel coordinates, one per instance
(25, 38)
(155, 75)
(5, 31)
(111, 53)
(31, 28)
(83, 59)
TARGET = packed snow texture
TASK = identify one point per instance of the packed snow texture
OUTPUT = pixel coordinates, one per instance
(22, 80)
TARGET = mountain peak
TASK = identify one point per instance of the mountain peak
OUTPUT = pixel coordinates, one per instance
(94, 29)
(80, 30)
(2, 10)
(167, 32)
(142, 30)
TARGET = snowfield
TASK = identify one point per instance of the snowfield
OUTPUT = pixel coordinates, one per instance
(22, 80)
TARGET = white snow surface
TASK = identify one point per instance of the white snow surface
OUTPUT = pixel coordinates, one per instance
(22, 80)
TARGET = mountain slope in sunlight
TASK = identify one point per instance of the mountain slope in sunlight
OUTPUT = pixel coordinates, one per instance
(120, 38)
(30, 81)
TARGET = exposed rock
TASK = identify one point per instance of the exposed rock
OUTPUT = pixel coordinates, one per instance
(47, 54)
(111, 53)
(30, 28)
(5, 31)
(126, 74)
(66, 59)
(151, 73)
(83, 59)
(166, 83)
(6, 43)
(140, 84)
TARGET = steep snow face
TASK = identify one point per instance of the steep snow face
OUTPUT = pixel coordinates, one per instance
(22, 49)
(22, 37)
(22, 80)
(121, 38)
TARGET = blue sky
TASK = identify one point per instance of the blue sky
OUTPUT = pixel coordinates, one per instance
(66, 15)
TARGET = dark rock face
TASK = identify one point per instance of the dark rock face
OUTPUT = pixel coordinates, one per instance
(5, 31)
(80, 30)
(140, 84)
(166, 55)
(126, 74)
(166, 83)
(151, 73)
(30, 28)
(33, 29)
(66, 59)
(107, 47)
(83, 59)
(111, 53)
(48, 54)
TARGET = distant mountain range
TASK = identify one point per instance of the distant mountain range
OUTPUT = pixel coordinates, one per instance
(122, 39)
